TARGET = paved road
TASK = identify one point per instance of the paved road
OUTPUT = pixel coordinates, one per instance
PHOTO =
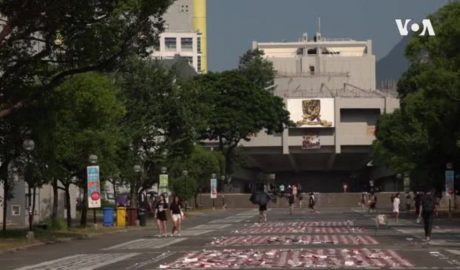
(333, 238)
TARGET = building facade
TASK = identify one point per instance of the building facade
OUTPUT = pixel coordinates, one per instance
(329, 88)
(185, 34)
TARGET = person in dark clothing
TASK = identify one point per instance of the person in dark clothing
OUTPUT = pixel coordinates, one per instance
(427, 208)
(372, 202)
(291, 199)
(177, 215)
(160, 213)
(263, 199)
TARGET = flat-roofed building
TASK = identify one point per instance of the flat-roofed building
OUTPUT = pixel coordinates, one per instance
(329, 89)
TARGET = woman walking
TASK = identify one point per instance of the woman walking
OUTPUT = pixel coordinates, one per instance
(396, 203)
(160, 213)
(176, 215)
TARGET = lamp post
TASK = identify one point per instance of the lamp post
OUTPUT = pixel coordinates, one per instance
(29, 146)
(185, 173)
(138, 170)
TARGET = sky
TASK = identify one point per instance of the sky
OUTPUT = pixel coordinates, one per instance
(234, 24)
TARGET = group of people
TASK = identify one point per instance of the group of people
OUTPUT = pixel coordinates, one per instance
(425, 207)
(161, 210)
(292, 193)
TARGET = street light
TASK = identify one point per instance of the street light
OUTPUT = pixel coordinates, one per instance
(92, 159)
(185, 173)
(138, 169)
(29, 146)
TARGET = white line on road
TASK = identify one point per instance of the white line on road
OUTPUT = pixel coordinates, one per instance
(81, 262)
(143, 243)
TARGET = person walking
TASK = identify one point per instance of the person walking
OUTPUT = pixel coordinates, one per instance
(263, 200)
(291, 202)
(396, 203)
(426, 212)
(312, 202)
(160, 214)
(177, 215)
(372, 202)
(363, 200)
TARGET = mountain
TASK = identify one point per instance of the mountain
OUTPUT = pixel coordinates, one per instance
(393, 65)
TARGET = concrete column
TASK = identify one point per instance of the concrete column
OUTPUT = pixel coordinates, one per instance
(337, 135)
(285, 141)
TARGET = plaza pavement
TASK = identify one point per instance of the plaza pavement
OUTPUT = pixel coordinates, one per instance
(331, 239)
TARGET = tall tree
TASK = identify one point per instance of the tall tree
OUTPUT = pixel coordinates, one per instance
(157, 120)
(240, 109)
(257, 69)
(425, 132)
(44, 42)
(83, 118)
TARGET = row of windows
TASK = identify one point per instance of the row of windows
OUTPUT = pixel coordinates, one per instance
(186, 43)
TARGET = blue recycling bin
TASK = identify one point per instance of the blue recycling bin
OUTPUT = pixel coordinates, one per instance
(108, 216)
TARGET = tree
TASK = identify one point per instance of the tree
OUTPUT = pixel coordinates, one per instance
(158, 120)
(256, 69)
(44, 42)
(83, 117)
(239, 110)
(423, 136)
(184, 187)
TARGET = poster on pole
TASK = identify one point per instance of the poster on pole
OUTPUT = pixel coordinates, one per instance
(94, 187)
(450, 181)
(163, 187)
(213, 188)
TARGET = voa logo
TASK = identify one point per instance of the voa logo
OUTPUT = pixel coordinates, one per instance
(415, 27)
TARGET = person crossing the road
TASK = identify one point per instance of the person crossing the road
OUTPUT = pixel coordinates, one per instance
(426, 212)
(177, 215)
(160, 214)
(396, 202)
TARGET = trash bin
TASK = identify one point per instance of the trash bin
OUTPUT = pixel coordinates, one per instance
(108, 216)
(121, 216)
(132, 216)
(142, 217)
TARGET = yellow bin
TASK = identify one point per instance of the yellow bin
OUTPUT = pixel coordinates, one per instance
(121, 216)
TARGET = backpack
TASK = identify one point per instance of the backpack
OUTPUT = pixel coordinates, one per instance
(427, 203)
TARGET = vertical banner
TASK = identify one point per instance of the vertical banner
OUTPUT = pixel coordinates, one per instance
(163, 187)
(213, 188)
(450, 181)
(94, 187)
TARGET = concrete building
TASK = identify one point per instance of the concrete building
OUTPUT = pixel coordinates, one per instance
(185, 34)
(330, 91)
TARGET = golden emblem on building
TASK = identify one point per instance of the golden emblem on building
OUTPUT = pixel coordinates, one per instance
(312, 114)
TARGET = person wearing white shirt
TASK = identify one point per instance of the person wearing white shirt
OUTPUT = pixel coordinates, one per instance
(396, 203)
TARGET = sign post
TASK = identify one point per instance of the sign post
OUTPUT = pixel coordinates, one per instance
(450, 185)
(213, 194)
(94, 189)
(163, 187)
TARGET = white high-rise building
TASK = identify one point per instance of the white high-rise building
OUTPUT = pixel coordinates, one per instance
(185, 34)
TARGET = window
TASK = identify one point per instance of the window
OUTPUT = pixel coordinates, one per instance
(170, 43)
(198, 44)
(186, 44)
(184, 8)
(199, 63)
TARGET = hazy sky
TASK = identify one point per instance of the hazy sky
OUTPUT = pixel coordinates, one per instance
(234, 24)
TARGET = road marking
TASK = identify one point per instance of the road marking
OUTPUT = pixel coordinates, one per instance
(250, 240)
(81, 262)
(189, 232)
(288, 258)
(142, 265)
(210, 227)
(299, 229)
(144, 243)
